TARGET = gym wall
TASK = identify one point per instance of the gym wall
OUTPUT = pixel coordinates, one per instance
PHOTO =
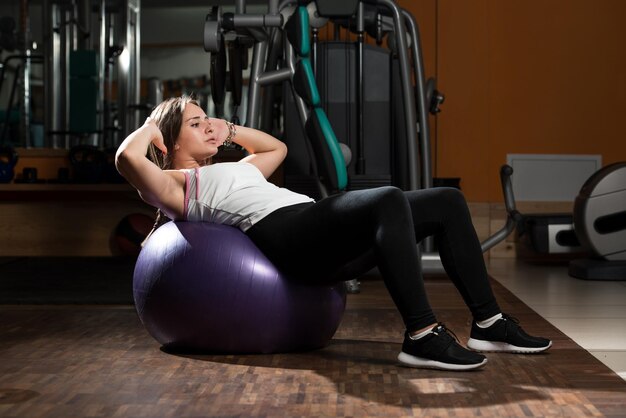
(529, 77)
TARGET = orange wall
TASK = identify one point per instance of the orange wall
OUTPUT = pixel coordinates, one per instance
(523, 77)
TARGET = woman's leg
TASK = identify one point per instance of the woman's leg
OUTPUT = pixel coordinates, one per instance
(314, 242)
(443, 213)
(320, 239)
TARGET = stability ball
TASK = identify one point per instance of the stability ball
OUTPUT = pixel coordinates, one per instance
(207, 287)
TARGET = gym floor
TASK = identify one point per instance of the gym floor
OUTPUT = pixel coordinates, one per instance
(592, 313)
(97, 360)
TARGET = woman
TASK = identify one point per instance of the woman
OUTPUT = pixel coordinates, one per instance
(311, 240)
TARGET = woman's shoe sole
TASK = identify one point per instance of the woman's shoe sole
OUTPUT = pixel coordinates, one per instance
(499, 347)
(413, 361)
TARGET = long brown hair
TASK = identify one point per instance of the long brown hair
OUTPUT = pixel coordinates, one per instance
(168, 116)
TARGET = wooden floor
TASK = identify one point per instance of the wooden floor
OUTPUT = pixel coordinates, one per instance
(97, 361)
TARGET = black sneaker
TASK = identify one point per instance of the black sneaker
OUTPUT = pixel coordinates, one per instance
(439, 350)
(506, 336)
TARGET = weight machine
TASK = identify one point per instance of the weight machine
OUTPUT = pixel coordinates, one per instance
(274, 61)
(91, 56)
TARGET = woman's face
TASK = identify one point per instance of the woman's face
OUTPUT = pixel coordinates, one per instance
(198, 138)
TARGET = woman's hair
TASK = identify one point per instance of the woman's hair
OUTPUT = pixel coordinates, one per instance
(169, 119)
(168, 116)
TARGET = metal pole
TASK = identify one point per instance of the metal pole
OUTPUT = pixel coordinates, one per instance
(408, 95)
(53, 116)
(25, 114)
(136, 64)
(273, 6)
(360, 28)
(301, 107)
(273, 55)
(424, 126)
(259, 54)
(240, 6)
(64, 73)
(102, 50)
(128, 66)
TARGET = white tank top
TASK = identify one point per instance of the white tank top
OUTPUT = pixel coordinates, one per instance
(233, 194)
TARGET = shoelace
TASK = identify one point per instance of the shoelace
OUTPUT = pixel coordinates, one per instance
(446, 330)
(511, 325)
(510, 318)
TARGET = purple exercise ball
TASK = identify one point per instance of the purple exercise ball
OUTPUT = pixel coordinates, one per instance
(207, 287)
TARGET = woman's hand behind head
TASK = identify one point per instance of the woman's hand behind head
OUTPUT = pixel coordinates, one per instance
(155, 134)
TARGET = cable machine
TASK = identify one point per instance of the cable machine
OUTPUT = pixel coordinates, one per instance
(91, 71)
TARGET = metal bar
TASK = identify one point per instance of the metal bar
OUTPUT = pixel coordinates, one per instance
(424, 127)
(240, 6)
(25, 103)
(408, 95)
(514, 217)
(360, 137)
(422, 108)
(273, 55)
(273, 7)
(259, 54)
(257, 21)
(102, 73)
(301, 106)
(431, 264)
(276, 76)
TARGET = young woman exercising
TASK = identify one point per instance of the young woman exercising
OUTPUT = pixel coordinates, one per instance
(313, 241)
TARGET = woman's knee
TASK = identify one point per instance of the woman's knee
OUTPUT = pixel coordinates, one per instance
(391, 194)
(453, 199)
(391, 199)
(452, 196)
(437, 203)
(379, 205)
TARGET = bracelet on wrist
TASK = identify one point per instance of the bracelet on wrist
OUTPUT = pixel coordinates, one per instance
(232, 131)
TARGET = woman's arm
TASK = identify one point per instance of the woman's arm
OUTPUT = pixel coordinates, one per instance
(154, 185)
(266, 152)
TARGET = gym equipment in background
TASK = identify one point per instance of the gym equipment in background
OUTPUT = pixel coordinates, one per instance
(275, 62)
(91, 72)
(330, 165)
(267, 69)
(595, 231)
(369, 101)
(205, 287)
(8, 160)
(88, 164)
(217, 69)
(600, 223)
(129, 234)
(24, 62)
(548, 238)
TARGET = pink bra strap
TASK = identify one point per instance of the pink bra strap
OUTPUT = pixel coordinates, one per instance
(186, 208)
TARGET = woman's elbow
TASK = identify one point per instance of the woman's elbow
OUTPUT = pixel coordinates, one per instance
(283, 150)
(124, 161)
(121, 159)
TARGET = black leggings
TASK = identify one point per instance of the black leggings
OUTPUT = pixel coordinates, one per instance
(343, 236)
